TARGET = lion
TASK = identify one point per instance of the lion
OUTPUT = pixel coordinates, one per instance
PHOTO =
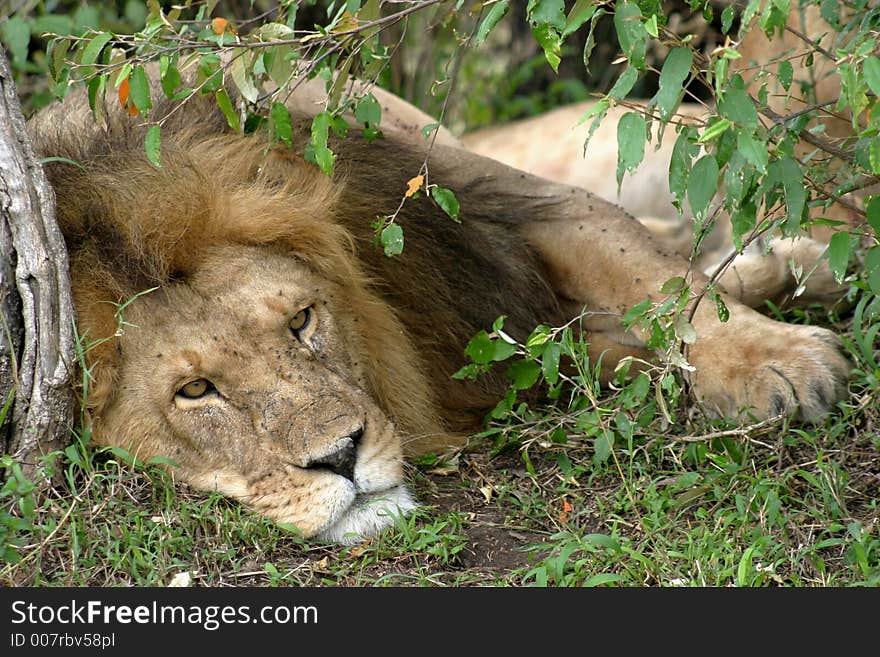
(244, 329)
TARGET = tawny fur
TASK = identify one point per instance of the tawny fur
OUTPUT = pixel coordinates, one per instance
(211, 253)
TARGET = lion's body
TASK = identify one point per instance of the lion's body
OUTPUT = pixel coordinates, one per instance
(273, 353)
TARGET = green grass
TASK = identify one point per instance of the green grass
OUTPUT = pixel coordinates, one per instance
(598, 489)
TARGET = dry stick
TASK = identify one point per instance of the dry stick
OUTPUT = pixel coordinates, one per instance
(737, 431)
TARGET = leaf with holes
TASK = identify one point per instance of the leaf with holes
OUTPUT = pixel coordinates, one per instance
(551, 43)
(631, 33)
(547, 12)
(391, 238)
(550, 362)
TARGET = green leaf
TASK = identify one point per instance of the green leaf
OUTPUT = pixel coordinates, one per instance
(210, 76)
(737, 106)
(872, 268)
(428, 129)
(742, 220)
(636, 312)
(447, 201)
(64, 160)
(673, 285)
(874, 155)
(871, 69)
(785, 73)
(715, 130)
(153, 145)
(320, 133)
(52, 23)
(93, 49)
(873, 211)
(631, 33)
(171, 78)
(701, 185)
(96, 90)
(139, 89)
(547, 12)
(684, 330)
(789, 172)
(273, 32)
(242, 77)
(228, 110)
(482, 349)
(602, 446)
(368, 111)
(523, 374)
(590, 41)
(632, 132)
(550, 41)
(16, 33)
(675, 71)
(496, 13)
(720, 307)
(57, 54)
(683, 153)
(754, 152)
(582, 11)
(838, 254)
(281, 123)
(624, 83)
(391, 238)
(727, 17)
(550, 362)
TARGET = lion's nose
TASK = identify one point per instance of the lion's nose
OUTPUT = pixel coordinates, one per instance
(342, 458)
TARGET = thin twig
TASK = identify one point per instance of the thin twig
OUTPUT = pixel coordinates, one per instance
(813, 44)
(737, 431)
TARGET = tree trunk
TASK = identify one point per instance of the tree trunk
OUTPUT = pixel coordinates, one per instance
(36, 324)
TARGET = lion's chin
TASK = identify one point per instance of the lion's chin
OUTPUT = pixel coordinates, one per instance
(368, 515)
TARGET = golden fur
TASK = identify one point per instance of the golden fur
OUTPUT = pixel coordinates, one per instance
(194, 273)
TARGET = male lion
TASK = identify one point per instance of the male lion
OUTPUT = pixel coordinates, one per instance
(244, 326)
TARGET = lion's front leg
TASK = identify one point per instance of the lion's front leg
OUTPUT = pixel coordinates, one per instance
(748, 365)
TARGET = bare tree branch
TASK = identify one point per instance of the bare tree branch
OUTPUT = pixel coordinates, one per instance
(36, 327)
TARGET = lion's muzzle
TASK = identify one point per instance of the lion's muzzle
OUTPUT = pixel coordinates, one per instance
(342, 456)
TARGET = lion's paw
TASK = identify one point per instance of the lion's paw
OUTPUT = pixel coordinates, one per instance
(757, 367)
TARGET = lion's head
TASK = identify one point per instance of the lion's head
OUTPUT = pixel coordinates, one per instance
(249, 378)
(231, 331)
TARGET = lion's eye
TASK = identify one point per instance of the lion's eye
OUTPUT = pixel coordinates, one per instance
(300, 321)
(196, 389)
